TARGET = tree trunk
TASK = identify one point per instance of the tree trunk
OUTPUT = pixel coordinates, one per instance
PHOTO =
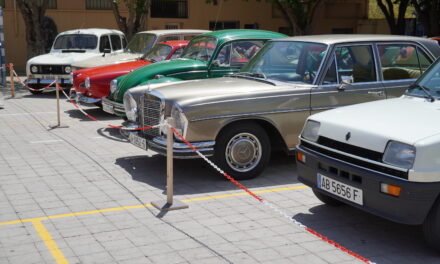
(289, 15)
(428, 13)
(137, 16)
(397, 26)
(33, 14)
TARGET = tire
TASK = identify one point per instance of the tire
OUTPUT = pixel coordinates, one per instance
(431, 227)
(327, 199)
(243, 150)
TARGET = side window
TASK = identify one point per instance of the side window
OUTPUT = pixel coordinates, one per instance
(400, 61)
(352, 62)
(243, 51)
(104, 43)
(116, 42)
(425, 61)
(224, 56)
(124, 42)
(177, 53)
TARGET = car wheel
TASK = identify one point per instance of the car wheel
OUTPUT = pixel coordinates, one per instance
(327, 199)
(243, 150)
(431, 227)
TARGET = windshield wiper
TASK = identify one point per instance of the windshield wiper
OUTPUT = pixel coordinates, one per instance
(253, 74)
(424, 89)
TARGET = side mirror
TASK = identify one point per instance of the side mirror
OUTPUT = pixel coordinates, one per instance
(345, 81)
(106, 51)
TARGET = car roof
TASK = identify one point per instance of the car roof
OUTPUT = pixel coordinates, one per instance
(243, 33)
(174, 31)
(94, 31)
(341, 38)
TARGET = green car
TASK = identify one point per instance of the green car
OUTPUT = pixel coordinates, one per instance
(209, 55)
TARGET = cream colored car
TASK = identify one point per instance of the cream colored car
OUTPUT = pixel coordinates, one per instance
(241, 119)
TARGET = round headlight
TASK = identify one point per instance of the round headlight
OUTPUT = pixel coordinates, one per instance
(34, 69)
(67, 69)
(179, 119)
(130, 106)
(113, 85)
(87, 83)
(399, 154)
(310, 130)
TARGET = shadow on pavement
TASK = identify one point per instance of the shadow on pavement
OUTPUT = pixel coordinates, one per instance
(372, 237)
(195, 176)
(112, 134)
(95, 112)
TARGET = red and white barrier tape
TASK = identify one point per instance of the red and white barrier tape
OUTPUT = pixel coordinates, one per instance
(29, 88)
(270, 205)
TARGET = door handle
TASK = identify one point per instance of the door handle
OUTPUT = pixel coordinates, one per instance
(378, 93)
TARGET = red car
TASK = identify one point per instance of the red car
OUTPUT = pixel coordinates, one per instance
(91, 84)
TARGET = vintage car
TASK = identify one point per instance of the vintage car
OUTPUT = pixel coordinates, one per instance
(208, 55)
(140, 44)
(381, 157)
(69, 47)
(91, 84)
(239, 119)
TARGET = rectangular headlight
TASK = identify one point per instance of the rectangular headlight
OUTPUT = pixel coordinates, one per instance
(399, 154)
(310, 130)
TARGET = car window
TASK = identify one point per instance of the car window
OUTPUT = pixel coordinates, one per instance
(116, 42)
(224, 56)
(352, 62)
(243, 51)
(402, 61)
(76, 41)
(430, 81)
(141, 43)
(124, 42)
(104, 43)
(158, 53)
(200, 48)
(177, 53)
(168, 38)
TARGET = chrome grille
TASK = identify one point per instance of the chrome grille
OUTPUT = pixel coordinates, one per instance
(151, 115)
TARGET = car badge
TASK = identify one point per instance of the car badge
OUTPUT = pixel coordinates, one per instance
(348, 136)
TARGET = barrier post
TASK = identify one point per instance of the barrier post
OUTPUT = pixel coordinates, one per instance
(11, 76)
(57, 91)
(170, 203)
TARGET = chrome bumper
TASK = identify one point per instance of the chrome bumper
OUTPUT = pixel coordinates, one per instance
(86, 100)
(61, 81)
(113, 107)
(180, 150)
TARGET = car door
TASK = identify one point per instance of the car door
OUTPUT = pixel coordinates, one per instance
(232, 56)
(401, 65)
(350, 77)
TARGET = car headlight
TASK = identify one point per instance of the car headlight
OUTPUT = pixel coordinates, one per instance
(87, 83)
(130, 105)
(67, 69)
(179, 119)
(399, 154)
(310, 130)
(34, 69)
(113, 85)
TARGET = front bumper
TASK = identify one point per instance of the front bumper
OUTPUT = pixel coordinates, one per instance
(113, 107)
(87, 100)
(180, 150)
(65, 82)
(411, 207)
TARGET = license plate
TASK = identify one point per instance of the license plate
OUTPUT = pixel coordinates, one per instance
(108, 108)
(138, 141)
(340, 189)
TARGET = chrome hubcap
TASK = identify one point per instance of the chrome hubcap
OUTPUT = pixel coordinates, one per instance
(243, 152)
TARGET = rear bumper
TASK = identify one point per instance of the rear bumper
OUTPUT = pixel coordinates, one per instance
(411, 207)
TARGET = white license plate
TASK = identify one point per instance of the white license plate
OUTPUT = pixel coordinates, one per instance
(108, 108)
(138, 141)
(340, 189)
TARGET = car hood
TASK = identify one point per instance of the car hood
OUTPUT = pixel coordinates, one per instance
(406, 119)
(61, 58)
(146, 73)
(106, 60)
(120, 68)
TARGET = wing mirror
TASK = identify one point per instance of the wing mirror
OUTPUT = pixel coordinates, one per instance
(106, 51)
(345, 81)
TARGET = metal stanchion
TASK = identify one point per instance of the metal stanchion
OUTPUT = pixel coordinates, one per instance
(58, 125)
(170, 203)
(11, 76)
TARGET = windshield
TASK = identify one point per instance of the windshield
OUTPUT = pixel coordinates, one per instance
(430, 81)
(287, 61)
(141, 43)
(76, 41)
(200, 48)
(158, 53)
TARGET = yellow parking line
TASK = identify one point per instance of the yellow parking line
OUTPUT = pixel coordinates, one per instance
(147, 205)
(49, 242)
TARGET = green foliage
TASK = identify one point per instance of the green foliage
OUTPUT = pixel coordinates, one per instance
(374, 11)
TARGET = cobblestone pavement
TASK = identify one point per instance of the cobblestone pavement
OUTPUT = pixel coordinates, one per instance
(81, 195)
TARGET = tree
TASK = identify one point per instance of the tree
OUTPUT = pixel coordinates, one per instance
(428, 12)
(137, 16)
(397, 24)
(33, 15)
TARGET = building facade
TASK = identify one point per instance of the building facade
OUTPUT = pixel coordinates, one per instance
(332, 16)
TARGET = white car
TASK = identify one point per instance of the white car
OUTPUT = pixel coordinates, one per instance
(382, 157)
(140, 44)
(69, 47)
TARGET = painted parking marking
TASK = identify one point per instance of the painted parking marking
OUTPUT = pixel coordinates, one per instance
(12, 124)
(49, 242)
(45, 141)
(34, 113)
